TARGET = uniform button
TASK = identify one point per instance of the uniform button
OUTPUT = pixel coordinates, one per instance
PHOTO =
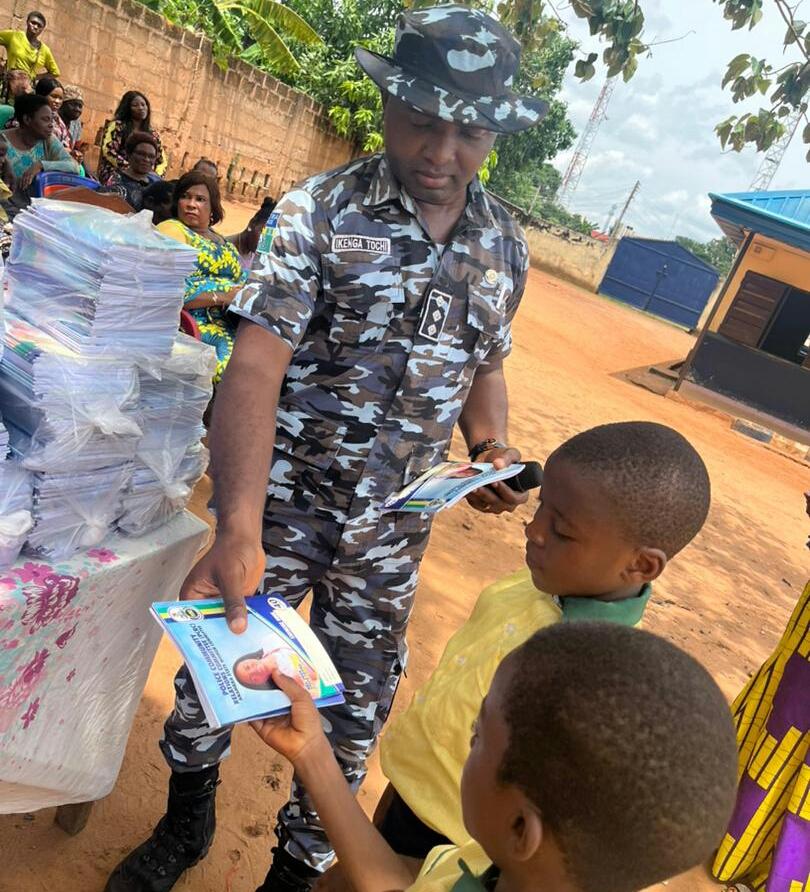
(491, 276)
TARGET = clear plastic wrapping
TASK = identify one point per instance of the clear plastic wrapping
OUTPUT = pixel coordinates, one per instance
(101, 283)
(15, 510)
(76, 511)
(79, 413)
(103, 398)
(191, 361)
(151, 499)
(169, 457)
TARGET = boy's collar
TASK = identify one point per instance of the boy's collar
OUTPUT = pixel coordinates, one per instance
(627, 612)
(469, 882)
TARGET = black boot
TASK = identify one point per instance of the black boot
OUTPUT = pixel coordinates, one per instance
(288, 874)
(181, 838)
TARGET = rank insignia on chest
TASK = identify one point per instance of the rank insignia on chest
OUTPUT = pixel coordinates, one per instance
(434, 315)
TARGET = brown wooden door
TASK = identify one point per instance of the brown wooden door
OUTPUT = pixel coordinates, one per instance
(752, 309)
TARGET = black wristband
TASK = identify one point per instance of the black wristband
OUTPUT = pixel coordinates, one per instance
(485, 446)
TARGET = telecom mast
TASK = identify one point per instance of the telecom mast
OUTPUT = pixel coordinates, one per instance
(576, 165)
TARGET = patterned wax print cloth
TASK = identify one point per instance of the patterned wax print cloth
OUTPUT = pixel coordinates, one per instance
(767, 844)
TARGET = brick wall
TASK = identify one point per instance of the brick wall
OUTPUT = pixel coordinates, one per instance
(265, 133)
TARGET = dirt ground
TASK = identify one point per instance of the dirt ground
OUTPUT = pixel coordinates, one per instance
(725, 599)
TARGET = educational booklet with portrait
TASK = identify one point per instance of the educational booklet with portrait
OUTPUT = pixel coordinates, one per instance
(445, 484)
(232, 672)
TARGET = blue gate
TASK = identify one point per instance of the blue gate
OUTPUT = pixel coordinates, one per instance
(661, 278)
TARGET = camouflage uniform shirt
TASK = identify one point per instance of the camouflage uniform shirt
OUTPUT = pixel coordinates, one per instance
(387, 331)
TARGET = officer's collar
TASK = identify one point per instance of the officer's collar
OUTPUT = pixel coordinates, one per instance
(384, 189)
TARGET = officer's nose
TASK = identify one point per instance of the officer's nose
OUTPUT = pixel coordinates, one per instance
(441, 147)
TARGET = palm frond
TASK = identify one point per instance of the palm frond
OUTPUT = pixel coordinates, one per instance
(284, 19)
(223, 30)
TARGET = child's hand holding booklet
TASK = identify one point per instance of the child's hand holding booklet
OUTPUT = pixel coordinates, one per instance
(233, 673)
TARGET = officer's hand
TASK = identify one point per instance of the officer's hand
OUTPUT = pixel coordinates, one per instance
(495, 498)
(298, 735)
(231, 570)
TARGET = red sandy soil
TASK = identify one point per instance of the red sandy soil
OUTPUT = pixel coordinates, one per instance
(725, 599)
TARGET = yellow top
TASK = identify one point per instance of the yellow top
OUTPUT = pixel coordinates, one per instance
(174, 229)
(442, 870)
(30, 59)
(423, 750)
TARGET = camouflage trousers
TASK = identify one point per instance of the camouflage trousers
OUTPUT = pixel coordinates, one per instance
(360, 609)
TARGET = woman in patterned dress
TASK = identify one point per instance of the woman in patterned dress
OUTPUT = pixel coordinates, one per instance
(219, 276)
(767, 845)
(133, 113)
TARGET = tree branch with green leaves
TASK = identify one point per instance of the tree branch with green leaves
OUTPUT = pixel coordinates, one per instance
(747, 76)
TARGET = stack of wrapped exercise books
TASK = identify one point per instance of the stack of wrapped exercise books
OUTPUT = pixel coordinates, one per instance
(101, 396)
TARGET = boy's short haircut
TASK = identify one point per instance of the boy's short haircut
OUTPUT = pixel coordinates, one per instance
(626, 746)
(654, 476)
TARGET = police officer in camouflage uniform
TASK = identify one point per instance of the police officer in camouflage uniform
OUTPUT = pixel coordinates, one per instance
(377, 316)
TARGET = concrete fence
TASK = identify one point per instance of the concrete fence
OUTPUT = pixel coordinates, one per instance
(263, 132)
(564, 252)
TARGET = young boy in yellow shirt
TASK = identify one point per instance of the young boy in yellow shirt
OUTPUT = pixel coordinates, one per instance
(602, 759)
(617, 502)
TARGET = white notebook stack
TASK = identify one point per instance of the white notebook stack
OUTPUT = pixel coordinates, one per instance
(98, 281)
(169, 457)
(79, 413)
(102, 398)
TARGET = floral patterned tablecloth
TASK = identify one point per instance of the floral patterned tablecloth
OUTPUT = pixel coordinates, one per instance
(76, 645)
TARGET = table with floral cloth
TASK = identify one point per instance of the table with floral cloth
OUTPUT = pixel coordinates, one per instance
(76, 645)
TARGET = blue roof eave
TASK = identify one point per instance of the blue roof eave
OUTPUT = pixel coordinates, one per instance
(737, 217)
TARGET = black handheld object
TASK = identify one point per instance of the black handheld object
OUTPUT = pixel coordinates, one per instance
(529, 478)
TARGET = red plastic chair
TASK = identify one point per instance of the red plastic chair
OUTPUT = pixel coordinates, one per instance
(189, 326)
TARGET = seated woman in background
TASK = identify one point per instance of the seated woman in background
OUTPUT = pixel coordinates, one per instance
(51, 89)
(131, 181)
(219, 276)
(32, 147)
(15, 83)
(134, 114)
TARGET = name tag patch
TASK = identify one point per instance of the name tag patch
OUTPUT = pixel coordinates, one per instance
(361, 243)
(434, 316)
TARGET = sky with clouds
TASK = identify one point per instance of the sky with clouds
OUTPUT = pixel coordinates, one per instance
(660, 125)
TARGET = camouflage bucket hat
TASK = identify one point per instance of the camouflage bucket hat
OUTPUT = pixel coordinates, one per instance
(458, 64)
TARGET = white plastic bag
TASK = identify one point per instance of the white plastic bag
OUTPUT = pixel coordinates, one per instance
(15, 510)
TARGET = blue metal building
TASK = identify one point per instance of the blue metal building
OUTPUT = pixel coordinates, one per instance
(660, 277)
